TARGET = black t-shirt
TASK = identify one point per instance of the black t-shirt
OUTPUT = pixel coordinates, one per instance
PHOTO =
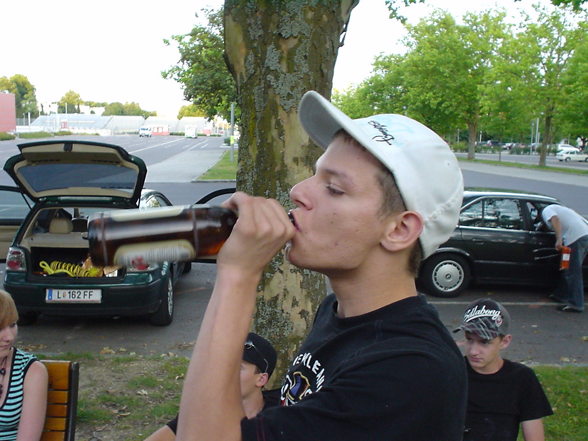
(498, 403)
(270, 398)
(394, 374)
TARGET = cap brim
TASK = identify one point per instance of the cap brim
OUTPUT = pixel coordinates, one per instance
(480, 329)
(322, 120)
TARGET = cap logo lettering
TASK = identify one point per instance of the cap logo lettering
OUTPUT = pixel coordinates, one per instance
(385, 136)
(476, 313)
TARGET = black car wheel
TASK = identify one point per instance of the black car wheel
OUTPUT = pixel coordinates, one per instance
(445, 275)
(165, 313)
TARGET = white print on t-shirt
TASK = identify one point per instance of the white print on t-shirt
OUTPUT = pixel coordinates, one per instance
(305, 377)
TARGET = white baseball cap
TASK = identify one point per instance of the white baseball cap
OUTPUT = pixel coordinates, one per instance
(425, 169)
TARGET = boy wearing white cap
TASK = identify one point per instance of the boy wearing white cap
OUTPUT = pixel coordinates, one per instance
(501, 393)
(378, 363)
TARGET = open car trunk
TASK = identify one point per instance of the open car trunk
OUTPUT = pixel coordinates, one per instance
(58, 246)
(68, 262)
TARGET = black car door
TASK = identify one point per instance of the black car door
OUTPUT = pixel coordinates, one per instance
(14, 206)
(495, 232)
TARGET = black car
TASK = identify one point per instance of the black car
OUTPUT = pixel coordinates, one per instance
(500, 239)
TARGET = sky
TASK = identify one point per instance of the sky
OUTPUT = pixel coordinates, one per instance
(111, 50)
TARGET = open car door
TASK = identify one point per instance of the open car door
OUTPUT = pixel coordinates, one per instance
(14, 206)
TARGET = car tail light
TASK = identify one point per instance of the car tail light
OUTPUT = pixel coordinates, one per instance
(140, 265)
(15, 260)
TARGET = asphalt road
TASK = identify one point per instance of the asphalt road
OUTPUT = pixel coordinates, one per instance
(541, 334)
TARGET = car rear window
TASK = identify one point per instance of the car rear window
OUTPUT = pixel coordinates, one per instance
(57, 176)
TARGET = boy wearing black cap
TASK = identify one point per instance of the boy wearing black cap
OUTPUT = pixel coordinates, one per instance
(378, 363)
(259, 361)
(502, 394)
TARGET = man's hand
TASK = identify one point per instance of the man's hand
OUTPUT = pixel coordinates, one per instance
(211, 407)
(262, 229)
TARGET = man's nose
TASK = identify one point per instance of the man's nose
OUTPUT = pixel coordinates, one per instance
(298, 194)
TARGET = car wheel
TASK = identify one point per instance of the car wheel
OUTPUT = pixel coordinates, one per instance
(165, 313)
(567, 159)
(28, 318)
(445, 275)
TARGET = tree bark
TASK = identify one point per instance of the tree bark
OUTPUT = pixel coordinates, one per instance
(276, 51)
(472, 134)
(548, 130)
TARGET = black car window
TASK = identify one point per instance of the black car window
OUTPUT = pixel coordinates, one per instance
(535, 208)
(14, 206)
(493, 213)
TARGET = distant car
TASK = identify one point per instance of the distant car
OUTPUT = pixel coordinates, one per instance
(145, 131)
(500, 239)
(566, 148)
(493, 143)
(571, 156)
(47, 265)
(191, 132)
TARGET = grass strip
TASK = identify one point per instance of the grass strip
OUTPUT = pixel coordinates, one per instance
(572, 171)
(224, 169)
(128, 396)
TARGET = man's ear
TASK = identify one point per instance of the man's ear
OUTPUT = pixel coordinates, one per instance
(403, 230)
(262, 379)
(505, 341)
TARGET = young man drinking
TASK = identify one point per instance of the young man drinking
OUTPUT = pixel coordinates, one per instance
(378, 363)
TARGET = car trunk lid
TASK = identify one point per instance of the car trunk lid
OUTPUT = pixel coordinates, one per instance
(77, 168)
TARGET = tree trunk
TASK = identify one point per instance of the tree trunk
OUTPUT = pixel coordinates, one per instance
(472, 133)
(276, 51)
(548, 138)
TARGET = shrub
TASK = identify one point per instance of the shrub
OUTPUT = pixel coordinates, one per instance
(32, 135)
(6, 136)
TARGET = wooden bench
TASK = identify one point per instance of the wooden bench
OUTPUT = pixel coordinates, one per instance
(62, 400)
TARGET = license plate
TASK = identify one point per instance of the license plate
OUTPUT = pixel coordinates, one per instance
(73, 296)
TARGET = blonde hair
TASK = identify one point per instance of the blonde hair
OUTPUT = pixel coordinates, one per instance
(8, 311)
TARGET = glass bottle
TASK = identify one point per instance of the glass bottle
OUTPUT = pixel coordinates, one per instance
(178, 233)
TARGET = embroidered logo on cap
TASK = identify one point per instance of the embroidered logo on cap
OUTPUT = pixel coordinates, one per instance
(385, 136)
(476, 313)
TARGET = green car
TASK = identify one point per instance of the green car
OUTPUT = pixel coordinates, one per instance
(48, 269)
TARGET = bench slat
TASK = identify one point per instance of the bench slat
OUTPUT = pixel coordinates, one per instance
(62, 398)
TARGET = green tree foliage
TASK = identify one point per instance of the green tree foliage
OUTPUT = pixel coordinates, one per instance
(383, 92)
(24, 94)
(70, 102)
(486, 75)
(442, 78)
(129, 109)
(540, 55)
(575, 4)
(574, 112)
(202, 70)
(190, 110)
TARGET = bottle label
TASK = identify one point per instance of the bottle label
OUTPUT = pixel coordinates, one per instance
(154, 252)
(141, 213)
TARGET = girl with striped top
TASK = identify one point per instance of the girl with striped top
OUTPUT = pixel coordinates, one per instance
(23, 382)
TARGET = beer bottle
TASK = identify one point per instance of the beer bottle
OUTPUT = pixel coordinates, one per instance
(138, 237)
